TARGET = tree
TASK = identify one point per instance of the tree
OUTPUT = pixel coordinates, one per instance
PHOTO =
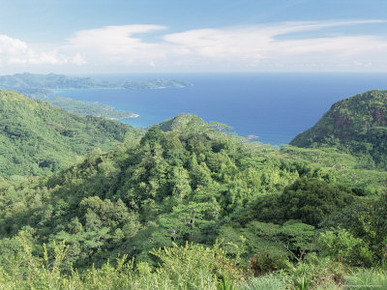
(311, 200)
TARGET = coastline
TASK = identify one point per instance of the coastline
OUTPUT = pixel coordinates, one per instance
(133, 115)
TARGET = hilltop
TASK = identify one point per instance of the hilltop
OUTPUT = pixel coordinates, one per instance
(357, 125)
(37, 138)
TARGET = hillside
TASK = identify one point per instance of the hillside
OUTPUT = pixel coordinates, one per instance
(37, 138)
(357, 125)
(189, 188)
(186, 206)
(89, 108)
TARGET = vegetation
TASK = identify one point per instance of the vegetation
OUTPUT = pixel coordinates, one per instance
(89, 109)
(37, 138)
(357, 125)
(187, 206)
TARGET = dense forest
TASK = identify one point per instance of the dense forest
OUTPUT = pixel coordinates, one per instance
(36, 138)
(185, 205)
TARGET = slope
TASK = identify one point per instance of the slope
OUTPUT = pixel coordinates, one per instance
(182, 186)
(37, 138)
(357, 125)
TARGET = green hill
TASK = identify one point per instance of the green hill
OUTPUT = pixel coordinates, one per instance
(357, 125)
(191, 205)
(37, 138)
(186, 206)
(184, 123)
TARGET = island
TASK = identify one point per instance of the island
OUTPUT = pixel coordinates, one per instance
(40, 85)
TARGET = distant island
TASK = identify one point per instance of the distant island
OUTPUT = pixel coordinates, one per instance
(89, 108)
(40, 85)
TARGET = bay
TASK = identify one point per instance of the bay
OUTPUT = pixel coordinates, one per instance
(273, 106)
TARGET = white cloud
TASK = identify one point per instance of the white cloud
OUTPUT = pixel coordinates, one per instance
(270, 47)
(116, 44)
(17, 52)
(262, 44)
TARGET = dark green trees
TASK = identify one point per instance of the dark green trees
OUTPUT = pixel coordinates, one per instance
(312, 200)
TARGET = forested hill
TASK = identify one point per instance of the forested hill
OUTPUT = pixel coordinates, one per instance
(36, 137)
(357, 125)
(188, 207)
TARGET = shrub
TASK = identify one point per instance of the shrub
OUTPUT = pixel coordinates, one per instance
(266, 261)
(341, 245)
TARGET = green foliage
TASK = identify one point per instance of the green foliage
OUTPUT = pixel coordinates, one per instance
(88, 109)
(37, 138)
(179, 263)
(173, 194)
(174, 186)
(356, 125)
(266, 282)
(342, 246)
(267, 261)
(187, 123)
(367, 279)
(366, 222)
(190, 266)
(315, 273)
(312, 200)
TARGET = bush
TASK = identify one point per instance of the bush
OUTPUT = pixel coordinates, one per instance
(314, 272)
(267, 261)
(342, 246)
(196, 267)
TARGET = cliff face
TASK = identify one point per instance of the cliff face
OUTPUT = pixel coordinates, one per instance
(357, 125)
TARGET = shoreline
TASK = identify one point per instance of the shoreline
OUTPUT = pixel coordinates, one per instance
(133, 115)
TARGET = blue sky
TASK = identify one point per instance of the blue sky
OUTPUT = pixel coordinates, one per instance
(127, 36)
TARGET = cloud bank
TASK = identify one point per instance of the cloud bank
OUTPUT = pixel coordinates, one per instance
(17, 52)
(291, 46)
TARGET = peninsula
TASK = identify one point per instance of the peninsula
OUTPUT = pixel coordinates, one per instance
(90, 108)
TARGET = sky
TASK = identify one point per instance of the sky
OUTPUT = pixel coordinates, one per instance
(171, 36)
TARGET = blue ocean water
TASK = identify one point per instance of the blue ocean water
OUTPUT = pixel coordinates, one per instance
(273, 106)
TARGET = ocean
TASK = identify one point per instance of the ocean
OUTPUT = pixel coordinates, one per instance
(275, 107)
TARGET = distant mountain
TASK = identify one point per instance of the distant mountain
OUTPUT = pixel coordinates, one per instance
(36, 137)
(357, 125)
(39, 85)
